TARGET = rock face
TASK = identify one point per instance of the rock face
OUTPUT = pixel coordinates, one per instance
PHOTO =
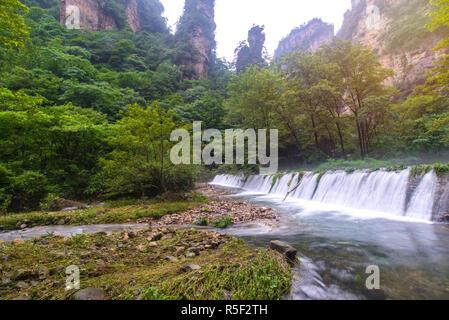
(441, 208)
(308, 37)
(196, 31)
(250, 53)
(95, 16)
(395, 30)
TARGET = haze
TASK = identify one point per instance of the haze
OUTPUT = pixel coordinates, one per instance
(235, 17)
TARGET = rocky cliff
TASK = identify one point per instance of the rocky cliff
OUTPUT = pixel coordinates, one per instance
(308, 37)
(395, 30)
(250, 53)
(97, 15)
(196, 34)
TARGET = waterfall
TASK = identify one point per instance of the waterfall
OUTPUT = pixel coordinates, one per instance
(382, 191)
(421, 204)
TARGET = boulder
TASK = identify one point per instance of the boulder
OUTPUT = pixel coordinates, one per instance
(88, 294)
(285, 249)
(191, 267)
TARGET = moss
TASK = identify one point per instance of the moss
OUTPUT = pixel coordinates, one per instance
(131, 269)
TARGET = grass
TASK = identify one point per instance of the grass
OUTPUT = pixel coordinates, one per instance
(113, 212)
(131, 269)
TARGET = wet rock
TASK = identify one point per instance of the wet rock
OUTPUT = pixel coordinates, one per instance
(285, 249)
(342, 275)
(88, 294)
(171, 259)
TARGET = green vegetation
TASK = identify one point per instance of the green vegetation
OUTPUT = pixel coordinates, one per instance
(201, 222)
(115, 212)
(128, 268)
(222, 223)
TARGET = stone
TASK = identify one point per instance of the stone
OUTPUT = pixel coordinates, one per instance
(88, 294)
(171, 259)
(23, 226)
(2, 241)
(132, 234)
(18, 241)
(56, 270)
(22, 285)
(191, 267)
(141, 248)
(285, 249)
(153, 244)
(2, 228)
(190, 255)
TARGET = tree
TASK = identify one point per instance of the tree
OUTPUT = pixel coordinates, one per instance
(365, 95)
(139, 165)
(13, 31)
(439, 78)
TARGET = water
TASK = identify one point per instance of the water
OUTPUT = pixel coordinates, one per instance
(337, 239)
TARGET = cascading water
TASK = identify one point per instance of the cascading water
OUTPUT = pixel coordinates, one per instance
(381, 191)
(422, 202)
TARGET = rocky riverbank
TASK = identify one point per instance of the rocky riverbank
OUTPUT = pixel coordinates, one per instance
(157, 263)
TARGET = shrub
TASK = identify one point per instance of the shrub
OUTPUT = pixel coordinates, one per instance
(28, 189)
(201, 222)
(50, 202)
(222, 223)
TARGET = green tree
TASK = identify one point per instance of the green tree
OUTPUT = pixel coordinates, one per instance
(13, 31)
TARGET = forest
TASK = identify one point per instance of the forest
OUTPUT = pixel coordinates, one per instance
(88, 115)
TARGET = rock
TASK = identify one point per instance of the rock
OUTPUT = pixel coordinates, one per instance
(167, 236)
(191, 267)
(88, 294)
(153, 244)
(56, 270)
(2, 241)
(171, 258)
(23, 226)
(18, 241)
(285, 249)
(22, 274)
(155, 237)
(132, 234)
(22, 285)
(6, 282)
(180, 250)
(141, 248)
(2, 228)
(190, 255)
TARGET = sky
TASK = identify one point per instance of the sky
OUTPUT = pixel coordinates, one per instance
(235, 17)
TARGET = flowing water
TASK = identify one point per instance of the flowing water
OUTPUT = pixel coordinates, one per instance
(342, 223)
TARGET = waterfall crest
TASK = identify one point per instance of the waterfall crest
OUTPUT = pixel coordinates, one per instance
(382, 190)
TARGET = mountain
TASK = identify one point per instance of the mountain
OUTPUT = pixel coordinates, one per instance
(396, 31)
(98, 15)
(195, 34)
(250, 53)
(308, 37)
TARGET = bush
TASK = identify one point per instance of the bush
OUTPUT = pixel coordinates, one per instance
(222, 223)
(201, 222)
(28, 190)
(50, 202)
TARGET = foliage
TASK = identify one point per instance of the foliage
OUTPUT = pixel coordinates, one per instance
(13, 31)
(139, 165)
(201, 222)
(222, 223)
